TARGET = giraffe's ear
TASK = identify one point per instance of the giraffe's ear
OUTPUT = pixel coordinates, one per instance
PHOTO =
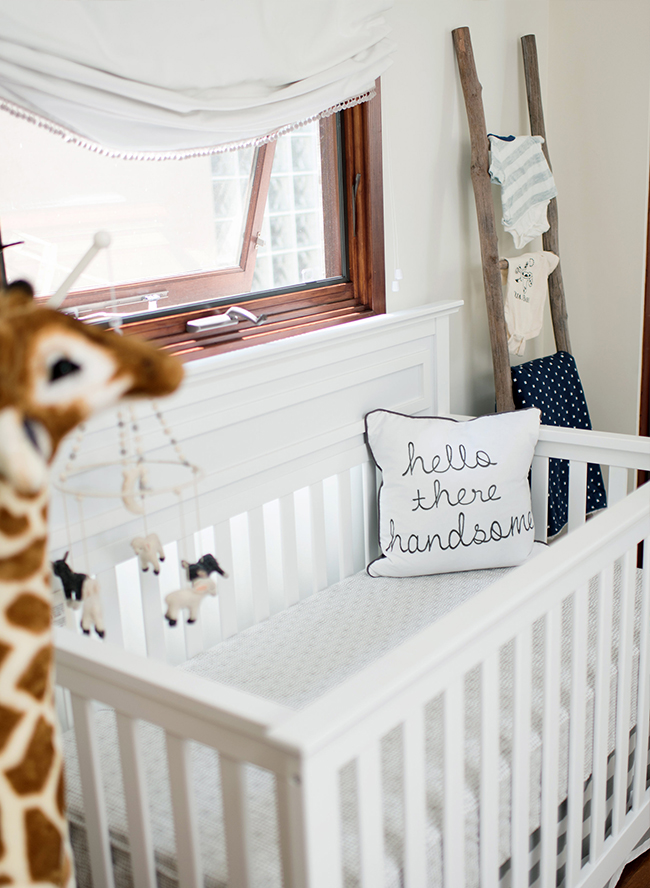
(20, 290)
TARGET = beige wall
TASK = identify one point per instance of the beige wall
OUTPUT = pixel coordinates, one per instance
(595, 70)
(599, 87)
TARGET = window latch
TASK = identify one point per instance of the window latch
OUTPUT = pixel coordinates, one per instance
(229, 318)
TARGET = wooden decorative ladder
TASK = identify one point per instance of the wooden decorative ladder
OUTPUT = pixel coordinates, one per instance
(485, 210)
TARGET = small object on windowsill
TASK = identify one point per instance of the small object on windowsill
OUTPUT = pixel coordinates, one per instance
(230, 318)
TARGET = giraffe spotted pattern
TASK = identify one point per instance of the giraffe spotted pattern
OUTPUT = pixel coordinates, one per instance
(38, 407)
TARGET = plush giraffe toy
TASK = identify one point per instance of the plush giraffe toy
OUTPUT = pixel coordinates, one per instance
(54, 373)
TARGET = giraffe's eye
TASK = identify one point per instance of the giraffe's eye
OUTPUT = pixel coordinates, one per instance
(63, 367)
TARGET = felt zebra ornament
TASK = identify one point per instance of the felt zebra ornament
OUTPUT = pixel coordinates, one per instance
(81, 591)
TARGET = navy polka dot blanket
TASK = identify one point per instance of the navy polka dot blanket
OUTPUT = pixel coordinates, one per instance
(553, 385)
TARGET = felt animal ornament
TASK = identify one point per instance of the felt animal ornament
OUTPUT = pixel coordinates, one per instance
(189, 598)
(131, 476)
(72, 582)
(92, 614)
(206, 565)
(55, 372)
(81, 591)
(149, 551)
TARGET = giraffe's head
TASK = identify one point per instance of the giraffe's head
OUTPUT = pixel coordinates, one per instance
(56, 372)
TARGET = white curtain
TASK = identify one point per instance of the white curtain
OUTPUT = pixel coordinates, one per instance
(144, 78)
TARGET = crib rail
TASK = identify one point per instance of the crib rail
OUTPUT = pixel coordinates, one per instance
(307, 751)
(185, 709)
(350, 722)
(280, 436)
(306, 538)
(275, 554)
(288, 508)
(620, 457)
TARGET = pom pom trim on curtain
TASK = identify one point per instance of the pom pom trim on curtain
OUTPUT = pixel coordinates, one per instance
(178, 154)
(164, 80)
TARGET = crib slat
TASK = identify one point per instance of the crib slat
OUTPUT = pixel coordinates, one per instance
(601, 711)
(415, 861)
(152, 611)
(96, 820)
(71, 619)
(210, 620)
(227, 594)
(577, 732)
(539, 493)
(577, 493)
(137, 811)
(111, 607)
(616, 485)
(318, 552)
(643, 698)
(358, 519)
(185, 821)
(371, 821)
(289, 551)
(369, 476)
(235, 813)
(309, 818)
(521, 757)
(454, 758)
(63, 707)
(259, 572)
(624, 689)
(489, 793)
(346, 554)
(550, 748)
(192, 632)
(287, 794)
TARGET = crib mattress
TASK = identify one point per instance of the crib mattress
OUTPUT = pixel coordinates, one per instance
(293, 658)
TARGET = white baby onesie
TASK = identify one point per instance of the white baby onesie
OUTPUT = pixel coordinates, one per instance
(525, 297)
(518, 164)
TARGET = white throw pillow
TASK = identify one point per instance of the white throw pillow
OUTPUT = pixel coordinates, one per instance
(454, 495)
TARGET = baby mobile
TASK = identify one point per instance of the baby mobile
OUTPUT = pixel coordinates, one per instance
(140, 478)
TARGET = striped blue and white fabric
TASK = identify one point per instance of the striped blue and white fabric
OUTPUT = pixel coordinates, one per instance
(517, 163)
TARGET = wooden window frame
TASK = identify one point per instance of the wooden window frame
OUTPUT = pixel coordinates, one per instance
(300, 308)
(195, 287)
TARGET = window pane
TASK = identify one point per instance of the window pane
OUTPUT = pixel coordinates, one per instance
(165, 218)
(169, 219)
(231, 181)
(294, 245)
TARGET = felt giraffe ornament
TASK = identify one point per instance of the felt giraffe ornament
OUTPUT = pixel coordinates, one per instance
(55, 372)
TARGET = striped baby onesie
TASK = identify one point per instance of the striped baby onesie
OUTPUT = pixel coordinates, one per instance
(519, 166)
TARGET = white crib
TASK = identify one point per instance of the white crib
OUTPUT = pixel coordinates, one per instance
(288, 505)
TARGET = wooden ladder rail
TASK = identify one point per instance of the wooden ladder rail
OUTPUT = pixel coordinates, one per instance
(480, 162)
(550, 238)
(485, 210)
